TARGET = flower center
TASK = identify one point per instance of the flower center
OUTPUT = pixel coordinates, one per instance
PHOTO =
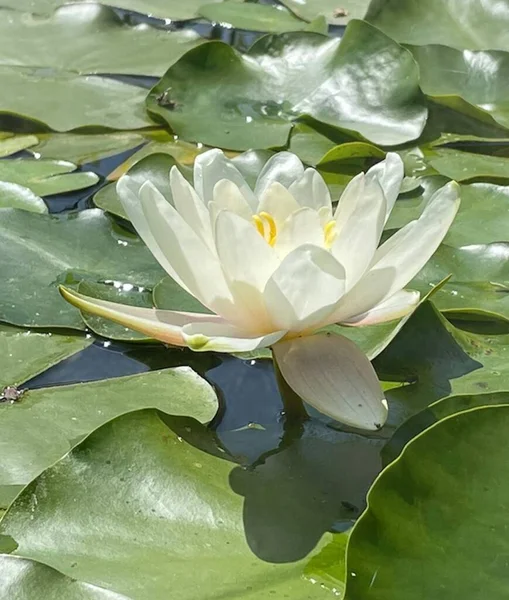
(330, 232)
(266, 226)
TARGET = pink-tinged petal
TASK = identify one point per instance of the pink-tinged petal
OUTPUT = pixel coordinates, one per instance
(304, 288)
(396, 307)
(163, 325)
(330, 373)
(311, 191)
(212, 166)
(360, 232)
(389, 173)
(284, 168)
(218, 337)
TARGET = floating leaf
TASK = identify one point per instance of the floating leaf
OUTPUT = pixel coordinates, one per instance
(39, 252)
(218, 97)
(47, 423)
(45, 177)
(84, 101)
(337, 12)
(175, 509)
(468, 24)
(447, 498)
(26, 353)
(89, 38)
(16, 143)
(13, 195)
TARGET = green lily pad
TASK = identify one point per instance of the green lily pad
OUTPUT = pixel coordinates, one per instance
(26, 353)
(309, 144)
(254, 17)
(45, 177)
(84, 101)
(444, 496)
(479, 282)
(16, 143)
(463, 166)
(47, 423)
(20, 577)
(89, 38)
(468, 24)
(169, 295)
(85, 148)
(336, 12)
(463, 80)
(435, 359)
(216, 96)
(483, 203)
(437, 412)
(39, 252)
(13, 195)
(185, 522)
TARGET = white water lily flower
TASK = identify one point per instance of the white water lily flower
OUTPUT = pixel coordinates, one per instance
(277, 263)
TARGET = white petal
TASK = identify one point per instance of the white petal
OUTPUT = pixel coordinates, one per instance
(356, 243)
(301, 227)
(128, 191)
(244, 254)
(196, 266)
(212, 166)
(397, 306)
(217, 337)
(278, 202)
(330, 373)
(398, 260)
(348, 200)
(311, 190)
(191, 207)
(164, 325)
(389, 173)
(284, 168)
(227, 196)
(304, 288)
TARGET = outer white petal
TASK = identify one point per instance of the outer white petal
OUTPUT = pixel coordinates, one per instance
(195, 265)
(284, 168)
(164, 325)
(358, 239)
(348, 200)
(304, 289)
(217, 337)
(301, 227)
(311, 190)
(244, 254)
(397, 306)
(128, 190)
(389, 173)
(191, 207)
(398, 260)
(227, 196)
(330, 373)
(212, 166)
(278, 202)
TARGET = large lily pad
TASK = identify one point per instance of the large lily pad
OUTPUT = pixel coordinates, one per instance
(13, 195)
(460, 24)
(26, 353)
(84, 101)
(39, 252)
(434, 360)
(448, 499)
(479, 282)
(463, 166)
(336, 13)
(15, 143)
(176, 524)
(89, 38)
(46, 423)
(366, 83)
(45, 177)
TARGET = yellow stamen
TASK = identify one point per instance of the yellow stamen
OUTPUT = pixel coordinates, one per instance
(269, 219)
(330, 233)
(258, 223)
